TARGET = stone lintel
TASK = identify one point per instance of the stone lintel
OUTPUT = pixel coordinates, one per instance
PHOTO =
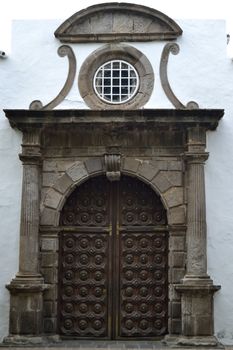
(151, 118)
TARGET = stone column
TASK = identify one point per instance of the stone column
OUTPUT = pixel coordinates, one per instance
(196, 218)
(196, 288)
(26, 288)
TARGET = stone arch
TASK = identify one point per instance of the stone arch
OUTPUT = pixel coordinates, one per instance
(163, 182)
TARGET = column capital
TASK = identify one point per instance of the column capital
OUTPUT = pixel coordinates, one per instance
(196, 157)
(31, 147)
(31, 158)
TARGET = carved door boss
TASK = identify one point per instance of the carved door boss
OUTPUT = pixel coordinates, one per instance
(113, 261)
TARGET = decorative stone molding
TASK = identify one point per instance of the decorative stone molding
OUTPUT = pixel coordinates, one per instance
(163, 148)
(26, 302)
(111, 52)
(111, 22)
(112, 164)
(63, 50)
(174, 49)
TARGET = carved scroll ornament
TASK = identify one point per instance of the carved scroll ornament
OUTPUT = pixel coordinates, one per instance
(174, 49)
(63, 50)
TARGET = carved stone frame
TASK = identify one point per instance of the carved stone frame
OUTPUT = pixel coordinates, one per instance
(177, 177)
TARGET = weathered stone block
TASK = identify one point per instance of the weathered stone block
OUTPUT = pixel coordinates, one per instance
(94, 165)
(49, 259)
(49, 309)
(200, 306)
(49, 274)
(175, 165)
(177, 243)
(173, 294)
(52, 199)
(50, 325)
(160, 164)
(177, 275)
(175, 177)
(51, 293)
(57, 165)
(177, 215)
(175, 326)
(178, 259)
(147, 171)
(48, 179)
(176, 310)
(161, 182)
(26, 313)
(77, 172)
(48, 217)
(174, 197)
(131, 164)
(63, 183)
(49, 244)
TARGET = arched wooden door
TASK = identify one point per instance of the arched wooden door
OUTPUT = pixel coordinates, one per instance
(113, 261)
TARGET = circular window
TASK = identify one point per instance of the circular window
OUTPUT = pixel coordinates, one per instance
(116, 81)
(116, 76)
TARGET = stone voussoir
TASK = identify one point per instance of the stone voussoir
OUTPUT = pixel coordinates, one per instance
(147, 170)
(177, 215)
(63, 183)
(174, 197)
(131, 165)
(48, 217)
(52, 199)
(161, 182)
(77, 172)
(94, 165)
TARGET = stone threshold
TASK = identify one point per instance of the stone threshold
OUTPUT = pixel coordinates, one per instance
(107, 345)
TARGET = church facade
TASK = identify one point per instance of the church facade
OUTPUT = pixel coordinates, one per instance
(113, 230)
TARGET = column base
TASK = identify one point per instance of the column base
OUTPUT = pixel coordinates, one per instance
(197, 307)
(26, 306)
(175, 341)
(14, 340)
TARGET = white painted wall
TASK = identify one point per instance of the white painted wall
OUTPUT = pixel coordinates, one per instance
(201, 72)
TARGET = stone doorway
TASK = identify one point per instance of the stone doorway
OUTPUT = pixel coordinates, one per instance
(113, 254)
(164, 152)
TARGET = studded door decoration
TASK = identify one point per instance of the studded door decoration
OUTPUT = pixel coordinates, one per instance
(113, 261)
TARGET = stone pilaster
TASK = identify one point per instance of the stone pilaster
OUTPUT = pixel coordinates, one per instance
(196, 288)
(27, 287)
(196, 218)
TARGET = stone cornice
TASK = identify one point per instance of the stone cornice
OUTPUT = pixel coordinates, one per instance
(155, 118)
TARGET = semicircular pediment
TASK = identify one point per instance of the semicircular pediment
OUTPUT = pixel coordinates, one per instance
(111, 22)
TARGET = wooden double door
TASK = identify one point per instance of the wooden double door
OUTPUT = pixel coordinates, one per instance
(113, 262)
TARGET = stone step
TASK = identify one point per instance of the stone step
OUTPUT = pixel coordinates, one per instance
(107, 345)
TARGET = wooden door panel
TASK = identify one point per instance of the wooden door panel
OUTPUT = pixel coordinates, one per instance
(85, 285)
(113, 261)
(143, 285)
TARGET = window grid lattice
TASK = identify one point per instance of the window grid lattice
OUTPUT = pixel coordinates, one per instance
(116, 82)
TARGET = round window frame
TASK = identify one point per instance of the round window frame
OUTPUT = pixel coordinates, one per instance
(112, 86)
(112, 52)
